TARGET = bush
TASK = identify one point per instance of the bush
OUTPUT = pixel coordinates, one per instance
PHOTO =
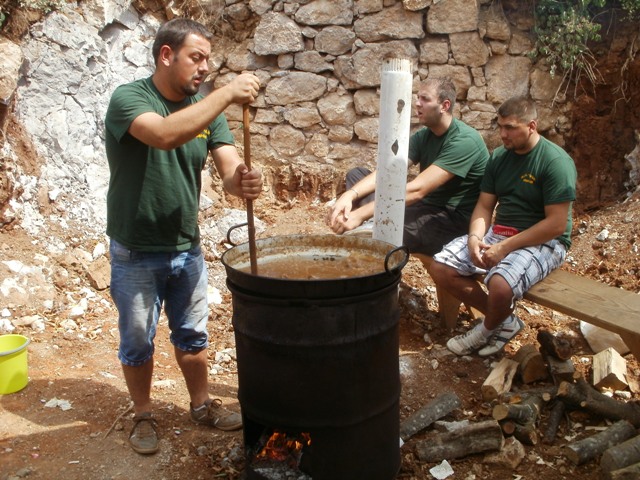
(564, 30)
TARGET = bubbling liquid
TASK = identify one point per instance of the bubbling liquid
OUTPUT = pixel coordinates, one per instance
(319, 267)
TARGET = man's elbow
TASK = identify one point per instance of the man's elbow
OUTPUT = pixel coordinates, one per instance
(559, 229)
(167, 143)
(165, 140)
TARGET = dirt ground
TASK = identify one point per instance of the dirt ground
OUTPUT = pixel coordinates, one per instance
(41, 438)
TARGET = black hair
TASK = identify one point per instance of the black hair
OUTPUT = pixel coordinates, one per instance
(174, 32)
(522, 107)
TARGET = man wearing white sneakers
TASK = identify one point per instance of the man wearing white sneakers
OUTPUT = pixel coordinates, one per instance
(533, 184)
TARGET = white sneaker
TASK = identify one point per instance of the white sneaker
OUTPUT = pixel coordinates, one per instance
(502, 335)
(467, 343)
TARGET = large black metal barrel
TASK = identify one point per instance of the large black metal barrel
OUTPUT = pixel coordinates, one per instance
(322, 357)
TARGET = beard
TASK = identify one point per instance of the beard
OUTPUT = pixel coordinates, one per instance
(190, 89)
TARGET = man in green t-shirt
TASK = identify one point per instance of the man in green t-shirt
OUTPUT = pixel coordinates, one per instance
(529, 184)
(159, 132)
(439, 200)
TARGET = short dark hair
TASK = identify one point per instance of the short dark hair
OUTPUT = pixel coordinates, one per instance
(174, 32)
(522, 107)
(445, 90)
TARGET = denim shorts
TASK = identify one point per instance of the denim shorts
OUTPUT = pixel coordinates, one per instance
(142, 283)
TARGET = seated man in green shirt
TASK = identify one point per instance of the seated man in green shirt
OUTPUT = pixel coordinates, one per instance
(439, 200)
(529, 184)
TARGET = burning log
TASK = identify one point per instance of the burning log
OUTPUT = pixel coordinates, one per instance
(555, 416)
(499, 380)
(554, 346)
(531, 365)
(583, 395)
(621, 456)
(589, 448)
(632, 472)
(442, 405)
(474, 438)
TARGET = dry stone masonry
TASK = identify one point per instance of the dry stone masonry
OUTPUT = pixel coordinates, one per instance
(320, 63)
(318, 60)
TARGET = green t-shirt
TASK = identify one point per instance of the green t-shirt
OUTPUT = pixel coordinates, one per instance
(524, 184)
(460, 151)
(153, 197)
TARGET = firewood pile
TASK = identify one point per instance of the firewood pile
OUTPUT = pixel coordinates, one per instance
(533, 414)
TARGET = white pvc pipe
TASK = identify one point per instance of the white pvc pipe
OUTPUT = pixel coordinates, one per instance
(393, 150)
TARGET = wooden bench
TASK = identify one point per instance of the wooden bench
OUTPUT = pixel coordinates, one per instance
(594, 302)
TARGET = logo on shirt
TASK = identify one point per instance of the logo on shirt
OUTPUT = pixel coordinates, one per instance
(528, 178)
(205, 134)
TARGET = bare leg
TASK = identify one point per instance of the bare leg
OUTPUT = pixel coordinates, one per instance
(448, 305)
(496, 306)
(499, 302)
(195, 371)
(465, 289)
(138, 381)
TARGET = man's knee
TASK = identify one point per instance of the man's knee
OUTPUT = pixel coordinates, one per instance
(440, 273)
(500, 291)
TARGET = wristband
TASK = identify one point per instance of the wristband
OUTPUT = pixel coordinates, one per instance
(474, 235)
(356, 192)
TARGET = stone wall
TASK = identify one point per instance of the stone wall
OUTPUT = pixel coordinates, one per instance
(316, 116)
(319, 62)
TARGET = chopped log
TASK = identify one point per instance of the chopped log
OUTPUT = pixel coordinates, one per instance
(561, 370)
(620, 456)
(526, 412)
(508, 427)
(520, 420)
(531, 365)
(499, 380)
(589, 448)
(557, 347)
(527, 434)
(440, 406)
(583, 395)
(609, 370)
(444, 426)
(547, 393)
(632, 472)
(478, 437)
(555, 416)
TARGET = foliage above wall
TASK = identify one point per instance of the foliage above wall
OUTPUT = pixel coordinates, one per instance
(564, 29)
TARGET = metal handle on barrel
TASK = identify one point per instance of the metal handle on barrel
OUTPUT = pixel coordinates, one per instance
(397, 268)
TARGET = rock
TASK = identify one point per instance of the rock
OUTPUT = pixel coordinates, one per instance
(99, 274)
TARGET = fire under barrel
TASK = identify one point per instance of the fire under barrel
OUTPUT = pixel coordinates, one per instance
(318, 357)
